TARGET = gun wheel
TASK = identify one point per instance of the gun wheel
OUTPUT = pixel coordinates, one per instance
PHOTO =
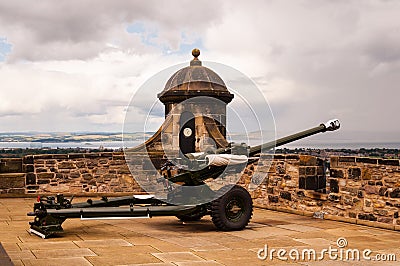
(233, 210)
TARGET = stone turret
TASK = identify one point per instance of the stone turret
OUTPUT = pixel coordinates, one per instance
(196, 98)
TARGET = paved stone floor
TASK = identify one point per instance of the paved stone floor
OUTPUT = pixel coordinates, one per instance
(167, 241)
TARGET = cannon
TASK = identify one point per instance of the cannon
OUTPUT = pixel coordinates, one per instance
(230, 207)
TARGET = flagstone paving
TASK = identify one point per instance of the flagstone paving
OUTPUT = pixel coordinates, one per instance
(167, 241)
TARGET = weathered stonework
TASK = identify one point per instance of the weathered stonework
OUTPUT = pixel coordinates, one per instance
(358, 189)
(70, 174)
(354, 189)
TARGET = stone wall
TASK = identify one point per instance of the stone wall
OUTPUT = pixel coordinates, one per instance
(80, 173)
(357, 190)
(12, 178)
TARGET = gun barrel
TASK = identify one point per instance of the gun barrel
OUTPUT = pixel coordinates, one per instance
(331, 125)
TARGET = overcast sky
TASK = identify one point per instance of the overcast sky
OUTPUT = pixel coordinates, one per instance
(74, 65)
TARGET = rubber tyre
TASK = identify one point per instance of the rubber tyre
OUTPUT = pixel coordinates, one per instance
(233, 210)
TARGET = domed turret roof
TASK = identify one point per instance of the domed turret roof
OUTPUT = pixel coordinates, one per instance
(193, 81)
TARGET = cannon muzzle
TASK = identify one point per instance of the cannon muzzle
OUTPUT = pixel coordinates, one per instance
(331, 125)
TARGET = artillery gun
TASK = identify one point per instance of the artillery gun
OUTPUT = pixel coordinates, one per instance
(231, 206)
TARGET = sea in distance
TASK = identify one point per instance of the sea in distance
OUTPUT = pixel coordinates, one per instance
(129, 144)
(104, 140)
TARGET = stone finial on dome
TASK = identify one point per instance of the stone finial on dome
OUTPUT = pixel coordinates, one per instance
(196, 52)
(195, 61)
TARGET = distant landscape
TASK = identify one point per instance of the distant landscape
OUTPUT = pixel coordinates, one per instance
(21, 144)
(70, 137)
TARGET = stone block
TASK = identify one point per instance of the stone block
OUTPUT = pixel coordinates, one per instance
(103, 161)
(307, 160)
(45, 175)
(320, 170)
(395, 193)
(371, 189)
(347, 159)
(334, 161)
(280, 157)
(30, 179)
(92, 164)
(354, 173)
(311, 170)
(292, 157)
(352, 215)
(87, 176)
(58, 156)
(109, 177)
(368, 217)
(366, 174)
(389, 162)
(80, 164)
(75, 174)
(124, 170)
(106, 154)
(100, 171)
(391, 180)
(366, 160)
(334, 185)
(285, 195)
(312, 182)
(43, 181)
(117, 162)
(334, 197)
(273, 199)
(66, 165)
(75, 155)
(91, 155)
(92, 182)
(118, 156)
(50, 162)
(300, 194)
(381, 212)
(27, 159)
(41, 169)
(60, 176)
(302, 170)
(53, 169)
(11, 165)
(336, 173)
(351, 190)
(12, 180)
(19, 191)
(382, 191)
(348, 200)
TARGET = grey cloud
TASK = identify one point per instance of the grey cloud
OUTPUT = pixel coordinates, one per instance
(334, 58)
(385, 47)
(342, 59)
(78, 30)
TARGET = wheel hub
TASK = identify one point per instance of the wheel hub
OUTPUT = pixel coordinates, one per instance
(234, 209)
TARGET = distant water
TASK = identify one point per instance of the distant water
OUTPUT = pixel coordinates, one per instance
(65, 145)
(130, 144)
(346, 145)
